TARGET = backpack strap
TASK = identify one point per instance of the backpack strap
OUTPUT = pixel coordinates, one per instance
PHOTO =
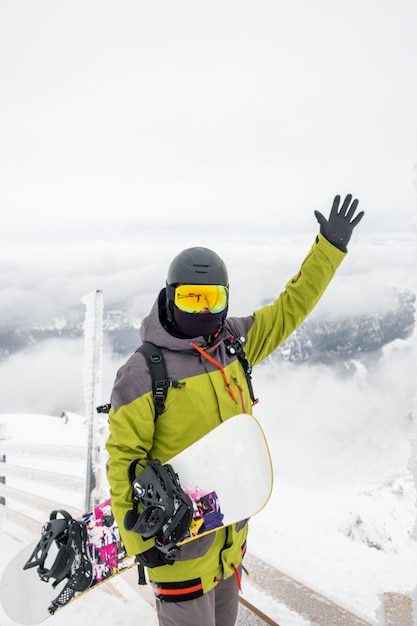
(234, 345)
(159, 375)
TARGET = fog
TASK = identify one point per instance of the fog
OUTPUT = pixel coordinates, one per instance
(46, 286)
(371, 410)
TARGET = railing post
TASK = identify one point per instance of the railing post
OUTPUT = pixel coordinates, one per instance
(2, 460)
(93, 330)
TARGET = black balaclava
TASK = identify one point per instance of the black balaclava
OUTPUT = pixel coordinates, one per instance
(196, 324)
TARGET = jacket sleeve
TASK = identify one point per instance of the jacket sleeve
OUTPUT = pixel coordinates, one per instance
(131, 433)
(275, 322)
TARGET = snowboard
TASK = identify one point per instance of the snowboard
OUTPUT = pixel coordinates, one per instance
(226, 476)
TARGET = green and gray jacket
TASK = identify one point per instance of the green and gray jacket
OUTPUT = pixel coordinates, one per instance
(197, 407)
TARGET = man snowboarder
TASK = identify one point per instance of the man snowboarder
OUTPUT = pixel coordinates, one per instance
(202, 348)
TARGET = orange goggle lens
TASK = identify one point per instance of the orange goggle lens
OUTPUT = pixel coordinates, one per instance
(195, 298)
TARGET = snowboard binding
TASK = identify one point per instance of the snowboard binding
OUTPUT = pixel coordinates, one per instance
(55, 530)
(167, 510)
(72, 561)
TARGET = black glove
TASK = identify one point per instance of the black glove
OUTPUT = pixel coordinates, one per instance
(338, 228)
(154, 557)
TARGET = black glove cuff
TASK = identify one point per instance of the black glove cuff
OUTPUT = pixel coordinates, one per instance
(339, 239)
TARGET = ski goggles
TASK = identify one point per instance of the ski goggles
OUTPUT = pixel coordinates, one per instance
(195, 298)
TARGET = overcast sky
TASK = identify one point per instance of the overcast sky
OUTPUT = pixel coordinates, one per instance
(216, 114)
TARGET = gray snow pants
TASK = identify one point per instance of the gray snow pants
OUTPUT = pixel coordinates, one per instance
(218, 607)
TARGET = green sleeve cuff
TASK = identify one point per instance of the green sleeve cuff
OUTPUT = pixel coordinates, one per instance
(334, 254)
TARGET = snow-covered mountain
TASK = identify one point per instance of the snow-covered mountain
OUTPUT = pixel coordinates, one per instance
(316, 341)
(356, 337)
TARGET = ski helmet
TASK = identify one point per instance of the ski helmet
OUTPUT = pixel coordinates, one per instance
(197, 266)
